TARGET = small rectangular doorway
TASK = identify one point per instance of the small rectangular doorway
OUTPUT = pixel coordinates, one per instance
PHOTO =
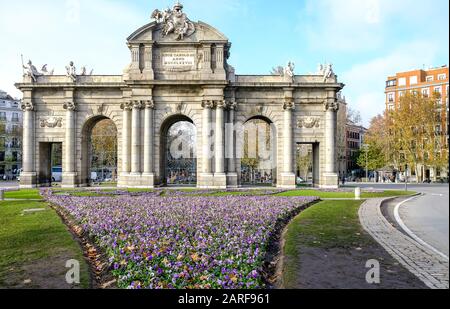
(307, 162)
(50, 163)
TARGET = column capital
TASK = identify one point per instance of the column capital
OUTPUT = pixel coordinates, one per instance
(289, 104)
(137, 104)
(70, 106)
(331, 105)
(220, 104)
(149, 104)
(126, 106)
(208, 104)
(27, 106)
(231, 104)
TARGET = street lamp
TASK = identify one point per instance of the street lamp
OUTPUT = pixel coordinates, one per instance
(406, 177)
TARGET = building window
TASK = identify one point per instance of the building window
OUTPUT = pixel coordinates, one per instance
(413, 80)
(2, 156)
(437, 90)
(402, 81)
(430, 78)
(15, 117)
(425, 92)
(401, 94)
(442, 76)
(391, 83)
(2, 116)
(15, 142)
(391, 97)
(2, 103)
(391, 107)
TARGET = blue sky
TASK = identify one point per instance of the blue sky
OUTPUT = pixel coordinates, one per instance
(366, 40)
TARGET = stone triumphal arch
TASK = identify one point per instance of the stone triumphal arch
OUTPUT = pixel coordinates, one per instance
(179, 71)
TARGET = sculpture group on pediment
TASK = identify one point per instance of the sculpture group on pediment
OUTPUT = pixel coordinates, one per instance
(174, 21)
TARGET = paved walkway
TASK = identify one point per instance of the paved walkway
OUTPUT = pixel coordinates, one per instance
(428, 266)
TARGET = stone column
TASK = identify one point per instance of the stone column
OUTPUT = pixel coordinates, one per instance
(148, 176)
(28, 175)
(232, 176)
(206, 178)
(220, 178)
(136, 139)
(288, 179)
(70, 148)
(330, 179)
(126, 140)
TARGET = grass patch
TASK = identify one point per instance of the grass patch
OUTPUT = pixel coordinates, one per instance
(27, 239)
(328, 224)
(324, 194)
(25, 194)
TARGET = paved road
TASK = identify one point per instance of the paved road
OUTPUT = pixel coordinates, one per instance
(426, 216)
(9, 184)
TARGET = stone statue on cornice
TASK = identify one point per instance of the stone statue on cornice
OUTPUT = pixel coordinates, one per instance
(175, 21)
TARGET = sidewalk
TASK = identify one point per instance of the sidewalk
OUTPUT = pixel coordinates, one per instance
(428, 266)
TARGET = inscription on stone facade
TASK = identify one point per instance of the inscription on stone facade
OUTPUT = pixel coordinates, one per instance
(178, 61)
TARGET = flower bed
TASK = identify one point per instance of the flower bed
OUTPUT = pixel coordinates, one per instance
(182, 242)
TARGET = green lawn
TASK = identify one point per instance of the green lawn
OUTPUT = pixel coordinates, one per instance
(323, 194)
(328, 224)
(39, 239)
(26, 194)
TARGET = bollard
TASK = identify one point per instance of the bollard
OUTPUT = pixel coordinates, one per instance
(357, 193)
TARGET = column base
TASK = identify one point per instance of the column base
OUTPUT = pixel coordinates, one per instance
(148, 180)
(69, 180)
(287, 181)
(220, 181)
(329, 181)
(205, 181)
(136, 181)
(232, 180)
(28, 180)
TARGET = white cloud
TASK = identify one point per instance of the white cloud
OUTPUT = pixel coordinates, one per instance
(366, 81)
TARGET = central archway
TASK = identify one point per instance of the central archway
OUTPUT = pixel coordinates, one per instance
(99, 147)
(258, 160)
(178, 152)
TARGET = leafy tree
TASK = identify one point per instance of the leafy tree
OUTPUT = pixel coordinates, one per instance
(278, 71)
(354, 116)
(413, 138)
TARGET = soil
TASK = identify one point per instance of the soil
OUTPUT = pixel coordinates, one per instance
(340, 268)
(48, 273)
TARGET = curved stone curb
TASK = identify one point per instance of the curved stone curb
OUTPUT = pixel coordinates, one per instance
(428, 266)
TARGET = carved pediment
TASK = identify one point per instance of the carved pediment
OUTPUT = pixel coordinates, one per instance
(154, 32)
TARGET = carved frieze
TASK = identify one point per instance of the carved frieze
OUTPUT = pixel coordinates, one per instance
(51, 122)
(308, 122)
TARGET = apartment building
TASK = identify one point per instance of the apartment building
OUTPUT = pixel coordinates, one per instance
(426, 82)
(10, 137)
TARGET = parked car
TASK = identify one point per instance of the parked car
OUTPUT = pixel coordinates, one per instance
(56, 174)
